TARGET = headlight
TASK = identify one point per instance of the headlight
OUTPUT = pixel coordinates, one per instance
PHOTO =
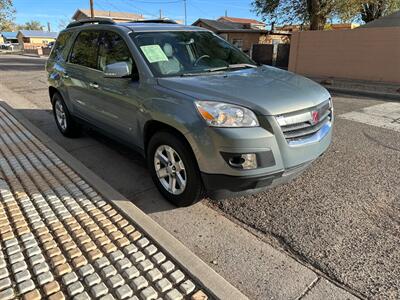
(220, 114)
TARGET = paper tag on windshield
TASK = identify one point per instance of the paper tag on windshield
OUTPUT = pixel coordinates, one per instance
(154, 53)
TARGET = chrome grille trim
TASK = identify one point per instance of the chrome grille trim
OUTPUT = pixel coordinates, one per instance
(302, 127)
(319, 135)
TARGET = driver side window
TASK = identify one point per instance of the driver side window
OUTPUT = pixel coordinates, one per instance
(113, 49)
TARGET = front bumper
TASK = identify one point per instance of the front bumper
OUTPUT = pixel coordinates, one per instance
(279, 158)
(221, 186)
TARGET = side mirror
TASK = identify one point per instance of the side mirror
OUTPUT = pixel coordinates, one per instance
(117, 70)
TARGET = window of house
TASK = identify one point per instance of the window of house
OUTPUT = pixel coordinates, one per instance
(237, 43)
(113, 49)
(224, 36)
(84, 51)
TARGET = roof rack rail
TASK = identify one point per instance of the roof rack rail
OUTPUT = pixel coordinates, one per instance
(90, 21)
(165, 21)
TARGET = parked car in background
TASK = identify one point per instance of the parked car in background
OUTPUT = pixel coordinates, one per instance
(7, 46)
(203, 114)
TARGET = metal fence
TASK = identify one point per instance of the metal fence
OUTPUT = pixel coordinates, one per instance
(273, 55)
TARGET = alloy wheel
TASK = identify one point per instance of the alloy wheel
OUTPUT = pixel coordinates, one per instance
(61, 115)
(170, 169)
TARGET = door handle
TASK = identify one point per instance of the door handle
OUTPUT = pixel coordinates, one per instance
(94, 85)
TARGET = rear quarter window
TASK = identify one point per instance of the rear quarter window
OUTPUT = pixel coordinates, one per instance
(84, 51)
(58, 52)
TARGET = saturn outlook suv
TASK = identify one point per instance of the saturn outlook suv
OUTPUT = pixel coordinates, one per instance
(203, 114)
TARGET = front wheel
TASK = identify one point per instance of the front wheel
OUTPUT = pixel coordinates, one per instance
(173, 169)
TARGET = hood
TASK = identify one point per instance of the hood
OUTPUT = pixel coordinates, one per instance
(265, 90)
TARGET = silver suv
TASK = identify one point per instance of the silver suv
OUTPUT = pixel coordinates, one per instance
(203, 114)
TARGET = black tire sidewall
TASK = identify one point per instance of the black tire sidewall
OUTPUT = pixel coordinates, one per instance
(194, 185)
(72, 129)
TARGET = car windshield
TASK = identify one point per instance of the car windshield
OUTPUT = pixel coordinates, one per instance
(189, 53)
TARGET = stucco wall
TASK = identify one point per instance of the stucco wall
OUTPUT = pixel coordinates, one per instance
(365, 54)
(41, 40)
(248, 39)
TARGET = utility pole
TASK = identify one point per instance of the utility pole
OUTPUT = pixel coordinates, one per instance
(226, 12)
(48, 27)
(160, 13)
(184, 3)
(91, 9)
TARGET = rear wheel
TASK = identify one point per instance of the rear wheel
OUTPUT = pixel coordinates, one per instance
(174, 169)
(65, 123)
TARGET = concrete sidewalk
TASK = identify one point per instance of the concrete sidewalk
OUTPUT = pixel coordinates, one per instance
(63, 237)
(380, 90)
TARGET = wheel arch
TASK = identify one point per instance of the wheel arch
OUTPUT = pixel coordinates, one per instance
(153, 126)
(52, 91)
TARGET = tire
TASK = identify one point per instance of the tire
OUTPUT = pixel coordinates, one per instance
(65, 122)
(158, 156)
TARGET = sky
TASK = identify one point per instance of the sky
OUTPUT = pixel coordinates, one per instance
(61, 11)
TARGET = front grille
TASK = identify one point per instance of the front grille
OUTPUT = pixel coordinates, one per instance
(301, 125)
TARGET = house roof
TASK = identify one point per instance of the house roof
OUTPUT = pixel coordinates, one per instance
(392, 20)
(241, 20)
(38, 33)
(108, 14)
(9, 35)
(221, 27)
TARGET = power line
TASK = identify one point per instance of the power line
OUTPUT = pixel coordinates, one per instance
(142, 10)
(159, 2)
(136, 8)
(198, 8)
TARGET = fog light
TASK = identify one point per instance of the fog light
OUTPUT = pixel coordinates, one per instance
(244, 161)
(250, 161)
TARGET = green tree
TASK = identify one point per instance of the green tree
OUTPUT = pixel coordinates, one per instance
(315, 13)
(366, 10)
(7, 13)
(31, 25)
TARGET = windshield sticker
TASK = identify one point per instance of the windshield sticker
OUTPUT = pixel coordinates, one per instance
(154, 53)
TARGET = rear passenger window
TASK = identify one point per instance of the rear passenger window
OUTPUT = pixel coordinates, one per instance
(58, 49)
(85, 49)
(113, 49)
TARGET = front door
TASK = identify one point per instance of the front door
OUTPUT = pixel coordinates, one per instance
(120, 97)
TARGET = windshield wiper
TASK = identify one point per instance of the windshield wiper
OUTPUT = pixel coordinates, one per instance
(218, 69)
(230, 67)
(192, 74)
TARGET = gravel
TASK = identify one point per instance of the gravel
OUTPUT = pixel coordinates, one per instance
(342, 215)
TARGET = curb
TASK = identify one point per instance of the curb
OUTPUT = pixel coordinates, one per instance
(215, 284)
(369, 94)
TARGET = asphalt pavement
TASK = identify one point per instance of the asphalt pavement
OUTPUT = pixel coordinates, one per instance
(339, 220)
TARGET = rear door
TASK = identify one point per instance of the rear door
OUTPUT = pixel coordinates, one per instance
(82, 75)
